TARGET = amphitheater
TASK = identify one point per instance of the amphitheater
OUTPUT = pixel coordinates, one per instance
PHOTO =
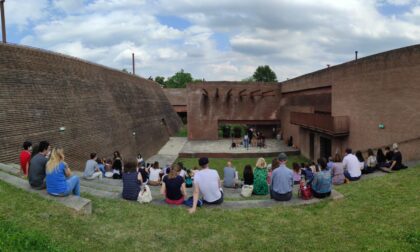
(86, 107)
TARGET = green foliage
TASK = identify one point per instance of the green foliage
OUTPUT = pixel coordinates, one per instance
(179, 80)
(264, 74)
(124, 70)
(183, 131)
(248, 79)
(160, 80)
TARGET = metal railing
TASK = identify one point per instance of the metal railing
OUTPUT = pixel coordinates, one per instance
(332, 125)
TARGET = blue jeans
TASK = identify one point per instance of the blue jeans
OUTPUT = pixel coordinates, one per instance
(246, 143)
(347, 175)
(73, 186)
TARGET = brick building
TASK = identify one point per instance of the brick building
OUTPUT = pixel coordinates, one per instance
(366, 103)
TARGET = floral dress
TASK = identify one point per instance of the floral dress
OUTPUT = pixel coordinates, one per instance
(260, 181)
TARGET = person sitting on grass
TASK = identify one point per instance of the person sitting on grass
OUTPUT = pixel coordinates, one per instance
(388, 154)
(371, 163)
(274, 164)
(361, 159)
(155, 174)
(322, 182)
(117, 165)
(380, 158)
(296, 173)
(260, 177)
(132, 181)
(25, 157)
(229, 178)
(307, 172)
(396, 161)
(59, 180)
(282, 181)
(173, 186)
(337, 171)
(92, 169)
(248, 175)
(36, 174)
(206, 182)
(351, 166)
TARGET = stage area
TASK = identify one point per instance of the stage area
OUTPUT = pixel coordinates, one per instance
(222, 148)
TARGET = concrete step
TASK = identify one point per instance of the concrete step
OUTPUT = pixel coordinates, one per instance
(79, 204)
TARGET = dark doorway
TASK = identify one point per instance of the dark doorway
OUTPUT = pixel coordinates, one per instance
(325, 147)
(311, 145)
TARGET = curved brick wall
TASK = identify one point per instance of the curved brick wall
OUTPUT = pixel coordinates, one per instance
(99, 107)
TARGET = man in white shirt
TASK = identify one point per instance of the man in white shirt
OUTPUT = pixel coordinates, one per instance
(351, 166)
(206, 182)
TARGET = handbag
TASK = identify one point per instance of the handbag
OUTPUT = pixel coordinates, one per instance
(145, 195)
(246, 191)
(305, 192)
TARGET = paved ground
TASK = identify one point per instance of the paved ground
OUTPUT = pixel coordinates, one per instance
(224, 146)
(169, 152)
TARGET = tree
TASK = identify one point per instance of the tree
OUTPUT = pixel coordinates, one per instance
(264, 74)
(160, 80)
(179, 80)
(248, 79)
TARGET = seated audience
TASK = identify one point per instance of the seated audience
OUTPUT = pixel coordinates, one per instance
(188, 179)
(396, 161)
(330, 163)
(322, 183)
(337, 171)
(206, 182)
(380, 158)
(144, 174)
(274, 164)
(25, 157)
(388, 154)
(173, 186)
(101, 165)
(59, 179)
(117, 166)
(314, 167)
(260, 177)
(282, 181)
(132, 181)
(36, 174)
(371, 163)
(140, 160)
(92, 169)
(351, 166)
(308, 173)
(155, 174)
(229, 178)
(361, 159)
(248, 175)
(35, 150)
(183, 172)
(296, 173)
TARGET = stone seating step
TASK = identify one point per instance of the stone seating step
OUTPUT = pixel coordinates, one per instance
(79, 204)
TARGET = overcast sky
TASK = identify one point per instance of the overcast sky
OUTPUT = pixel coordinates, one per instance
(215, 39)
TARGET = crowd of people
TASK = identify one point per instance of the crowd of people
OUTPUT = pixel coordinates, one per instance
(46, 168)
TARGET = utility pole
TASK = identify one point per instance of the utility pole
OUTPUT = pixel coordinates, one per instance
(3, 21)
(134, 66)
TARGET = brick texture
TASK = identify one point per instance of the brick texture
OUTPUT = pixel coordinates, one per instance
(99, 107)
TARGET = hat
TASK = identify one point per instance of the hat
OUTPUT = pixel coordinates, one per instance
(282, 157)
(203, 161)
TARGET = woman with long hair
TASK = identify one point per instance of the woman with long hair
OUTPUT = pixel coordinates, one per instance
(60, 181)
(173, 186)
(248, 175)
(117, 165)
(260, 177)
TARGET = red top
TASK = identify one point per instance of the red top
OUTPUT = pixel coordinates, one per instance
(25, 156)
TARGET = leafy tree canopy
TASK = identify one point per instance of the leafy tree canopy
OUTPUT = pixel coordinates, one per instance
(179, 80)
(264, 74)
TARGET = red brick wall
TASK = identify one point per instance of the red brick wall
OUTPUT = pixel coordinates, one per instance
(99, 107)
(382, 88)
(205, 113)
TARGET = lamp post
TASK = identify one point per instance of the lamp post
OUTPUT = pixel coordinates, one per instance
(3, 21)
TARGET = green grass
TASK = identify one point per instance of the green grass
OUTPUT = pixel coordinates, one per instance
(182, 132)
(378, 214)
(238, 163)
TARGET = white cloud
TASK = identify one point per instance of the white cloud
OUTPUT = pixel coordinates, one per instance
(293, 37)
(21, 12)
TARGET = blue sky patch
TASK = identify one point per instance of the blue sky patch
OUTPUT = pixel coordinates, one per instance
(175, 22)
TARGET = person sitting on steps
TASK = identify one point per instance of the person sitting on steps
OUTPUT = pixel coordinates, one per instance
(351, 166)
(206, 182)
(282, 181)
(59, 180)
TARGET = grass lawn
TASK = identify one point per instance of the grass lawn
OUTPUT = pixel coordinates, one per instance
(182, 132)
(378, 214)
(238, 163)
